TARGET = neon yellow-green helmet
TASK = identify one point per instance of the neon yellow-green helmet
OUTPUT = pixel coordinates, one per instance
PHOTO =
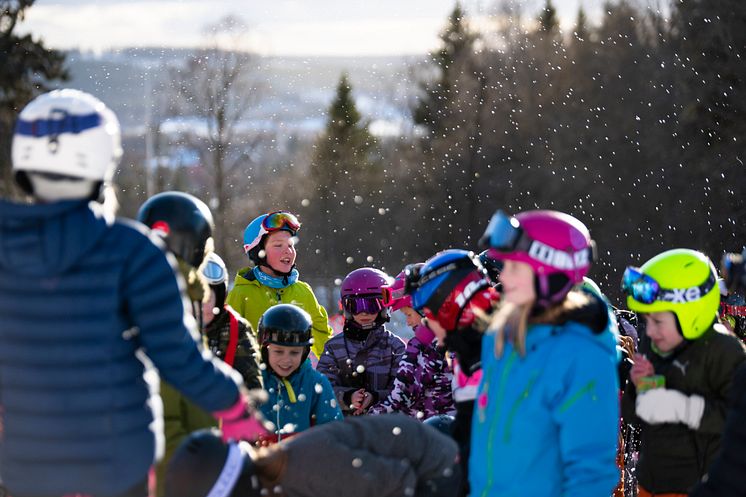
(681, 281)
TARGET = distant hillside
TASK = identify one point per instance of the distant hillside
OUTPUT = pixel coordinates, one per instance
(293, 89)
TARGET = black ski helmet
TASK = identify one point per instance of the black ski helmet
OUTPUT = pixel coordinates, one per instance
(184, 221)
(205, 465)
(285, 324)
(442, 422)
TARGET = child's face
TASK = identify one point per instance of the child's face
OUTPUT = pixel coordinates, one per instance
(437, 329)
(283, 359)
(517, 279)
(364, 318)
(208, 308)
(413, 319)
(280, 251)
(662, 330)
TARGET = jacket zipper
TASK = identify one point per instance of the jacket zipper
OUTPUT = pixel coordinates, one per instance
(516, 405)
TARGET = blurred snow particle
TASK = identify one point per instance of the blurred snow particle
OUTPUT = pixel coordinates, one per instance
(357, 462)
(305, 202)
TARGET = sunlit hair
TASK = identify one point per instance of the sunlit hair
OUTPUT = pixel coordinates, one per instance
(513, 320)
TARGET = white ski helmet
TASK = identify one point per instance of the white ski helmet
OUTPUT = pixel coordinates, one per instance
(66, 134)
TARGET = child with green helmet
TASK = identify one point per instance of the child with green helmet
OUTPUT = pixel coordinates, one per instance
(681, 378)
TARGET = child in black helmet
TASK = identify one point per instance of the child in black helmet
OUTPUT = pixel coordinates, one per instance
(299, 396)
(377, 456)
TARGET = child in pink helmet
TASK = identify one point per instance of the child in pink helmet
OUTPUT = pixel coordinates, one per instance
(422, 387)
(547, 412)
(361, 361)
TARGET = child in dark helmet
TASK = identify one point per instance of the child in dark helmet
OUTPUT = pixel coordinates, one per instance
(299, 396)
(453, 292)
(228, 335)
(269, 242)
(381, 456)
(80, 408)
(185, 224)
(361, 362)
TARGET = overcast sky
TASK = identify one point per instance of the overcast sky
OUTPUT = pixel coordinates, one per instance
(277, 27)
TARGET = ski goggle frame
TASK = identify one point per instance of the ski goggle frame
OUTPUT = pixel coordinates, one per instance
(278, 220)
(646, 290)
(389, 296)
(214, 272)
(369, 304)
(504, 234)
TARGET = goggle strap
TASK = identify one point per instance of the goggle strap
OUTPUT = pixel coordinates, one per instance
(462, 263)
(444, 289)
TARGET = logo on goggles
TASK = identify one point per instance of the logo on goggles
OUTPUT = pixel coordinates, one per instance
(558, 258)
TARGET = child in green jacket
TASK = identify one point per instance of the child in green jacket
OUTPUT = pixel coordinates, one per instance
(269, 241)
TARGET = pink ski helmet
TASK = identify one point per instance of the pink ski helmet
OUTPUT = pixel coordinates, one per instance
(393, 294)
(557, 246)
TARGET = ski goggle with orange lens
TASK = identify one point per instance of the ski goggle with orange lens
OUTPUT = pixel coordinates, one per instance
(389, 296)
(280, 219)
(368, 304)
(646, 290)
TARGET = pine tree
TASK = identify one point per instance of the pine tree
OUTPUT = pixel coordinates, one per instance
(343, 171)
(548, 18)
(457, 43)
(581, 25)
(26, 68)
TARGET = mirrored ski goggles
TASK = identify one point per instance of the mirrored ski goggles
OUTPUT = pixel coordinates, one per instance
(369, 304)
(214, 273)
(504, 234)
(280, 219)
(647, 290)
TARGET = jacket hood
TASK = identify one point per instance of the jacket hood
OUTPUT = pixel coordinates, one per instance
(47, 239)
(244, 276)
(593, 322)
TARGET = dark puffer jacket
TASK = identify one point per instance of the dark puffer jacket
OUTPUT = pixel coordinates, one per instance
(727, 475)
(674, 457)
(245, 354)
(357, 359)
(81, 297)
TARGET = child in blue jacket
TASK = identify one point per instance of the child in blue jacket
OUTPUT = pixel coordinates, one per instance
(547, 409)
(299, 396)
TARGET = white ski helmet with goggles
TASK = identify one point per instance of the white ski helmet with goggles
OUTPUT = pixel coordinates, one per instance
(65, 135)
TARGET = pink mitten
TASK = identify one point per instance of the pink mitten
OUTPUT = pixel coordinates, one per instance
(240, 421)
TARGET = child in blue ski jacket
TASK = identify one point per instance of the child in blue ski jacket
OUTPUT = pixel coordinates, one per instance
(547, 410)
(299, 396)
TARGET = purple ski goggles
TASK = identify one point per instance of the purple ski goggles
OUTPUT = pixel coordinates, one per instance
(370, 304)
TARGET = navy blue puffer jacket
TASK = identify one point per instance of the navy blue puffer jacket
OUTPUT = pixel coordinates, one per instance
(86, 303)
